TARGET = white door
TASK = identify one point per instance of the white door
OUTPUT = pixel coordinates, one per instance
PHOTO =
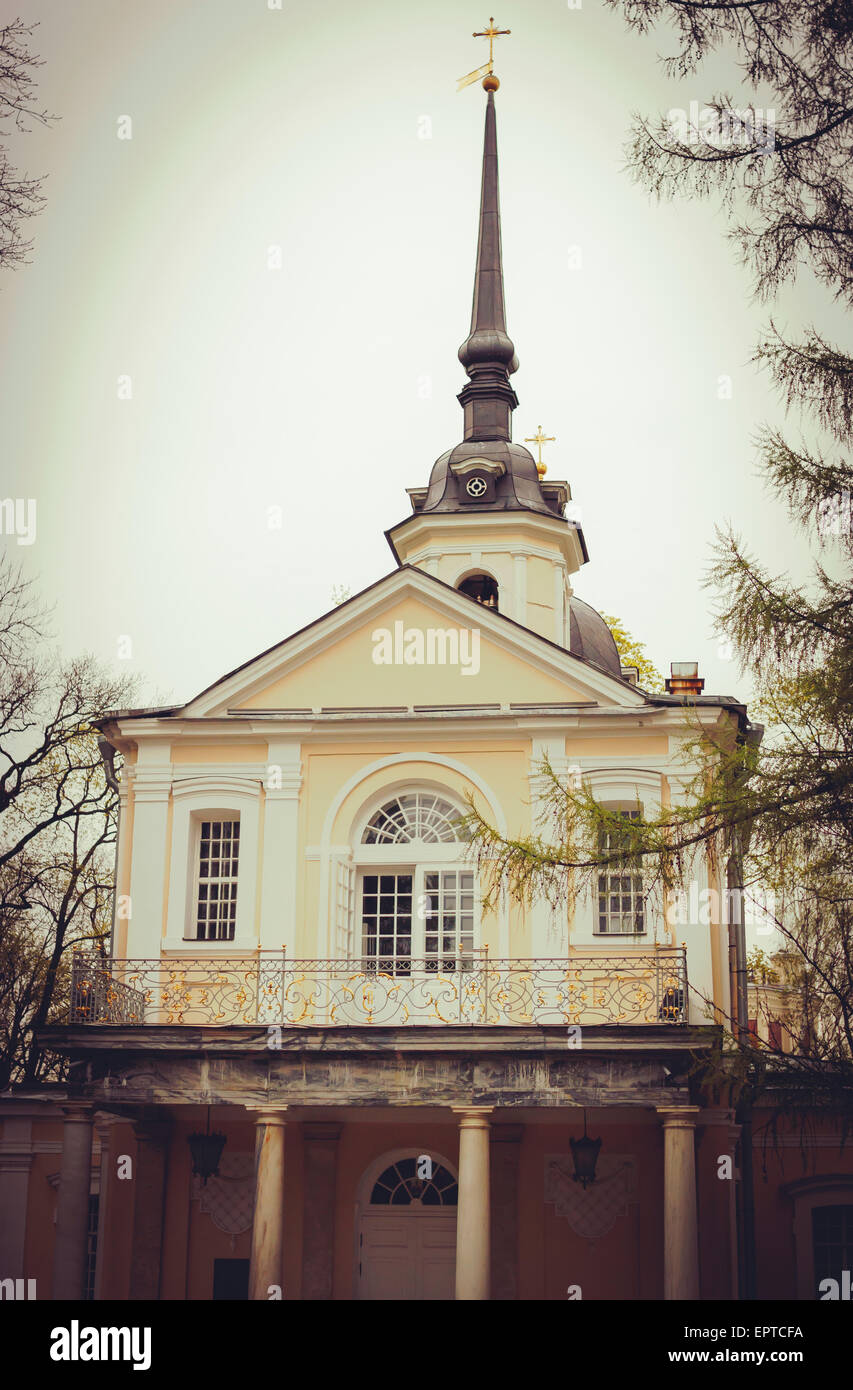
(408, 1254)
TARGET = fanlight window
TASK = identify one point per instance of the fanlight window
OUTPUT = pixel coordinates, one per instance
(400, 1185)
(415, 816)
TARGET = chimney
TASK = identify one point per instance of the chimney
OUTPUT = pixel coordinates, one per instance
(684, 679)
(631, 674)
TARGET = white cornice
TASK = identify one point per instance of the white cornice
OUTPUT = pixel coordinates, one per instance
(435, 552)
(562, 530)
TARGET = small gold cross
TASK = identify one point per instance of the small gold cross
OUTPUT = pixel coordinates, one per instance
(540, 439)
(486, 70)
(491, 34)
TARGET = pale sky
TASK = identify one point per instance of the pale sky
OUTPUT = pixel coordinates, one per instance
(326, 387)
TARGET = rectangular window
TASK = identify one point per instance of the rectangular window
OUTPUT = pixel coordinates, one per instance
(448, 920)
(425, 916)
(386, 914)
(832, 1237)
(776, 1035)
(216, 901)
(621, 902)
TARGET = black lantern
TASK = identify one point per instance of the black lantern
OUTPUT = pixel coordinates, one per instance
(585, 1156)
(206, 1150)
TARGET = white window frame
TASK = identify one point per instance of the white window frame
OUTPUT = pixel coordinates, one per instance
(617, 789)
(418, 871)
(233, 818)
(196, 800)
(394, 794)
(610, 872)
(419, 857)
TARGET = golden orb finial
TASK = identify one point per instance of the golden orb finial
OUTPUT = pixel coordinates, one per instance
(490, 82)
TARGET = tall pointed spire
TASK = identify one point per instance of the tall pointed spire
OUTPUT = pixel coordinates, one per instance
(486, 472)
(488, 353)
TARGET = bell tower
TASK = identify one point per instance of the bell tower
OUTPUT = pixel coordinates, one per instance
(487, 523)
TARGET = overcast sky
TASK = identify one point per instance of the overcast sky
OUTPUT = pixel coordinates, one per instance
(326, 386)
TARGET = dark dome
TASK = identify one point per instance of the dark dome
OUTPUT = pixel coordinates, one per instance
(517, 490)
(591, 638)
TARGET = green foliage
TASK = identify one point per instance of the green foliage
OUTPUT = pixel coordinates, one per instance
(761, 967)
(633, 653)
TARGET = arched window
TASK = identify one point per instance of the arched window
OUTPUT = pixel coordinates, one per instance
(413, 816)
(400, 1186)
(481, 587)
(415, 893)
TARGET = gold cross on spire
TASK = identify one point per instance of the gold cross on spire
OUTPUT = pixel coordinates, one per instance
(486, 70)
(491, 34)
(540, 439)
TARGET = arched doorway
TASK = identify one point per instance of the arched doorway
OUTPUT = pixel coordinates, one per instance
(406, 1228)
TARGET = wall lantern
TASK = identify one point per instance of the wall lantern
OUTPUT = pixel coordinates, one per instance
(206, 1150)
(585, 1156)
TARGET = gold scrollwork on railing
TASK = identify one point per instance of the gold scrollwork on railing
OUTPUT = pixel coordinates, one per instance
(643, 988)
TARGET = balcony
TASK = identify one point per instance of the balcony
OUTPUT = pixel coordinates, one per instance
(269, 989)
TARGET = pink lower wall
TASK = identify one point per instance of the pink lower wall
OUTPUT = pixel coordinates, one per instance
(624, 1264)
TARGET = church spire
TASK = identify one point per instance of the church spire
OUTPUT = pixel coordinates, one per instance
(486, 472)
(488, 354)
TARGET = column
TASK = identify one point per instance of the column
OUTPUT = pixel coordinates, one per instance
(680, 1231)
(559, 604)
(519, 575)
(320, 1146)
(474, 1213)
(72, 1212)
(505, 1152)
(149, 1199)
(265, 1269)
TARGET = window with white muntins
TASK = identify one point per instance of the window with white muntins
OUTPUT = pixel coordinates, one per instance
(216, 880)
(417, 902)
(621, 897)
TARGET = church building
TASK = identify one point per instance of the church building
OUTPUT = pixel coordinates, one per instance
(313, 1065)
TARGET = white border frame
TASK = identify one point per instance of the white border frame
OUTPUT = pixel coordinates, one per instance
(200, 799)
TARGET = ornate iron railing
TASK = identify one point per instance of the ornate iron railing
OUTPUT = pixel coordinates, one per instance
(649, 987)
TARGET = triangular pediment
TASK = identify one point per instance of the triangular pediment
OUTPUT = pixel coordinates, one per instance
(410, 641)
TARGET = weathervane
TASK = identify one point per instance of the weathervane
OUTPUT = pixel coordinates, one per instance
(491, 33)
(540, 439)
